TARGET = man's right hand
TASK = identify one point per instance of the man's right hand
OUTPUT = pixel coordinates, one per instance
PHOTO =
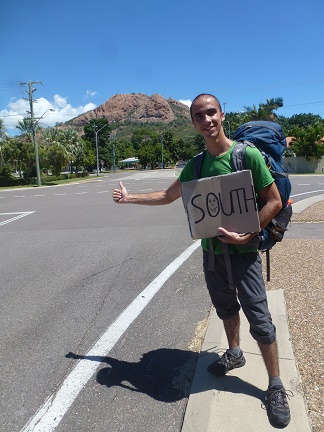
(120, 195)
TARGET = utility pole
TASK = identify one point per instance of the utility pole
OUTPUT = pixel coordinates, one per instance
(32, 123)
(96, 137)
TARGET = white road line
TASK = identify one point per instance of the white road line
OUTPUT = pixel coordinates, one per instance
(60, 194)
(54, 408)
(103, 192)
(20, 196)
(19, 216)
(40, 195)
(305, 193)
(80, 193)
(303, 184)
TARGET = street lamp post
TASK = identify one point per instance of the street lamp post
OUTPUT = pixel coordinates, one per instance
(162, 152)
(33, 124)
(112, 137)
(96, 136)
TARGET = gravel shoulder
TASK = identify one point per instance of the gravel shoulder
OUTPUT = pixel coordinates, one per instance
(297, 268)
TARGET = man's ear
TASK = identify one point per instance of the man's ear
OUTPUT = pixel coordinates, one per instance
(222, 116)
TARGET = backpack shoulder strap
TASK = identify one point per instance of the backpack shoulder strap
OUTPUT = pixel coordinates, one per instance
(238, 154)
(198, 161)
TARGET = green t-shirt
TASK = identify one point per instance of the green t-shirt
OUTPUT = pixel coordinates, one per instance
(218, 165)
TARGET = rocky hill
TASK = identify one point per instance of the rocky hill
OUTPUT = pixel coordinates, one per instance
(137, 108)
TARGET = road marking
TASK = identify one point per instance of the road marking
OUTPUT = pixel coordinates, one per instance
(54, 408)
(19, 216)
(303, 184)
(305, 193)
(40, 195)
(103, 192)
(20, 196)
(60, 194)
(80, 193)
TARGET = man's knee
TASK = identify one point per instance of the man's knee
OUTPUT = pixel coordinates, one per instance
(262, 328)
(225, 314)
(265, 336)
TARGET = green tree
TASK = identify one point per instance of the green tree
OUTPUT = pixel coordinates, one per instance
(103, 129)
(148, 146)
(308, 141)
(232, 121)
(55, 157)
(149, 154)
(74, 147)
(3, 131)
(264, 111)
(19, 154)
(171, 151)
(123, 150)
(302, 121)
(25, 126)
(3, 138)
(143, 136)
(52, 135)
(89, 158)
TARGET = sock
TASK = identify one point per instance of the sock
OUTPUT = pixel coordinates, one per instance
(275, 381)
(235, 351)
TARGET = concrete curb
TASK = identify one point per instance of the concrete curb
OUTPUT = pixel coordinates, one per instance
(233, 402)
(299, 206)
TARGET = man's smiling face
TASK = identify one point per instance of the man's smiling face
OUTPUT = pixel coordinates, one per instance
(207, 116)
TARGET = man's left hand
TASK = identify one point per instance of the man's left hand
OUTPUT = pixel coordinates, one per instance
(233, 237)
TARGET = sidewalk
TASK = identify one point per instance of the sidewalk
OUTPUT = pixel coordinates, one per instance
(233, 402)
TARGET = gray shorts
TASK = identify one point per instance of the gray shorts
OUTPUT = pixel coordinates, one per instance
(250, 293)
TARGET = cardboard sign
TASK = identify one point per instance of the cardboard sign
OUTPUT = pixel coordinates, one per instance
(226, 201)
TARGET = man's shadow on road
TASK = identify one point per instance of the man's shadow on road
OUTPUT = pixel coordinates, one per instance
(163, 374)
(166, 375)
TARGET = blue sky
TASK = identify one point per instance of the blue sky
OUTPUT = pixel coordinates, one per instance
(84, 52)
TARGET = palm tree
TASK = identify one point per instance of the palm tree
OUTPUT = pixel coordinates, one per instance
(52, 135)
(270, 106)
(26, 127)
(3, 137)
(74, 146)
(265, 110)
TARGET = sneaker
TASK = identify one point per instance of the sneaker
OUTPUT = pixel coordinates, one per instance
(277, 406)
(226, 363)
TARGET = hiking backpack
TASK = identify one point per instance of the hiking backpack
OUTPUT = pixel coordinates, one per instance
(269, 138)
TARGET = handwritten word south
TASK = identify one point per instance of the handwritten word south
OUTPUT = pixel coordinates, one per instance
(236, 201)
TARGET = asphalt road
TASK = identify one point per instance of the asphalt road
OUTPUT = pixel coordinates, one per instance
(72, 262)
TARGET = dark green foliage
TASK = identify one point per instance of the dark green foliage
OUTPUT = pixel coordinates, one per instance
(103, 129)
(5, 171)
(308, 141)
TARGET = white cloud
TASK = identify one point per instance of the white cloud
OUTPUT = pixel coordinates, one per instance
(186, 102)
(60, 101)
(90, 93)
(17, 110)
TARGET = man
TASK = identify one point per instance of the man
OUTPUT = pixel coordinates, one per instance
(250, 294)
